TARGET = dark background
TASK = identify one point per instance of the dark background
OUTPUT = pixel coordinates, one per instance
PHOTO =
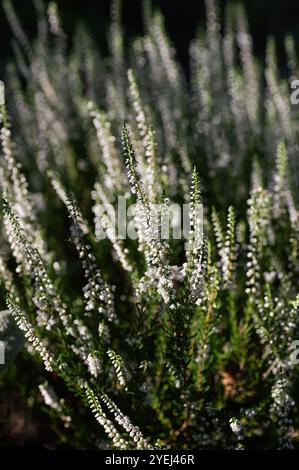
(275, 17)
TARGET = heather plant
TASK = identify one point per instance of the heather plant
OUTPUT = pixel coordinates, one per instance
(166, 342)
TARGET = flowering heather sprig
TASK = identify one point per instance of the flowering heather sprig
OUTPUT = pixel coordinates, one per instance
(50, 397)
(46, 298)
(195, 249)
(114, 176)
(94, 364)
(228, 254)
(281, 406)
(116, 44)
(237, 429)
(131, 165)
(226, 244)
(141, 119)
(147, 137)
(118, 441)
(98, 294)
(206, 326)
(15, 186)
(154, 247)
(54, 20)
(30, 335)
(11, 168)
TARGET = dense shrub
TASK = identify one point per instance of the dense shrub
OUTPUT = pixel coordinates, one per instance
(168, 344)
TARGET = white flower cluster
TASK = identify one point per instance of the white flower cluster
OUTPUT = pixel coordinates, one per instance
(15, 188)
(114, 175)
(54, 20)
(46, 297)
(259, 210)
(237, 429)
(98, 294)
(50, 397)
(148, 140)
(119, 366)
(155, 249)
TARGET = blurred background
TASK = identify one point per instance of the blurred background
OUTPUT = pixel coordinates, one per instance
(266, 17)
